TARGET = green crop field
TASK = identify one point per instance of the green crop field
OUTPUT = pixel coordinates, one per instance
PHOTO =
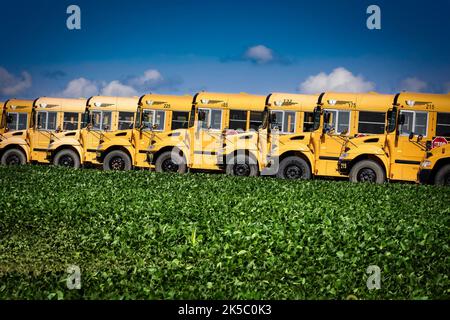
(198, 236)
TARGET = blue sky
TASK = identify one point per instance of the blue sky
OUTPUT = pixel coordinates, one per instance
(132, 47)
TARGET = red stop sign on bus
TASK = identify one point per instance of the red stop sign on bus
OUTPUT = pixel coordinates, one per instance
(438, 141)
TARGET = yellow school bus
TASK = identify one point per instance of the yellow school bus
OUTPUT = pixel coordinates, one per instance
(161, 116)
(346, 117)
(215, 118)
(14, 149)
(108, 119)
(156, 114)
(284, 136)
(435, 168)
(54, 138)
(414, 120)
(306, 133)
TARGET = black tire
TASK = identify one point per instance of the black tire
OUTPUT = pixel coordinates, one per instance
(442, 177)
(67, 158)
(117, 160)
(13, 157)
(242, 166)
(294, 168)
(367, 171)
(171, 161)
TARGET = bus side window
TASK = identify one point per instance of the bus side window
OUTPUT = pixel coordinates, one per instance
(70, 121)
(180, 120)
(238, 120)
(256, 119)
(308, 122)
(443, 124)
(371, 122)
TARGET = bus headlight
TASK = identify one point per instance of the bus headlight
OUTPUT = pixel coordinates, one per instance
(425, 164)
(343, 156)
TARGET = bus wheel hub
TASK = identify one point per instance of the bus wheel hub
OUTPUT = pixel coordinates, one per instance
(170, 166)
(242, 170)
(67, 161)
(117, 163)
(367, 175)
(13, 160)
(293, 172)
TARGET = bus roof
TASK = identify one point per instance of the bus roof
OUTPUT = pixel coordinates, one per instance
(371, 101)
(423, 101)
(107, 103)
(19, 105)
(290, 101)
(60, 104)
(234, 101)
(166, 102)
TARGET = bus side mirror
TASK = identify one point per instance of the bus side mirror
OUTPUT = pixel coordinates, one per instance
(201, 116)
(419, 138)
(326, 122)
(317, 113)
(401, 119)
(411, 136)
(326, 118)
(272, 118)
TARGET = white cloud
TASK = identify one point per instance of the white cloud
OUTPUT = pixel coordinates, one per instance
(339, 80)
(259, 54)
(80, 87)
(150, 76)
(115, 88)
(83, 87)
(413, 84)
(10, 84)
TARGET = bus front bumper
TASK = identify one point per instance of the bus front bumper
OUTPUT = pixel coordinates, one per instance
(424, 176)
(343, 167)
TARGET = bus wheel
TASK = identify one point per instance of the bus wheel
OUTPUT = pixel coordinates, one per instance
(117, 160)
(13, 157)
(67, 158)
(170, 162)
(443, 176)
(293, 168)
(367, 171)
(241, 166)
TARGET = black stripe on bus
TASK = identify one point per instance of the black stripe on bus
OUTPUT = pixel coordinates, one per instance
(407, 162)
(329, 158)
(212, 153)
